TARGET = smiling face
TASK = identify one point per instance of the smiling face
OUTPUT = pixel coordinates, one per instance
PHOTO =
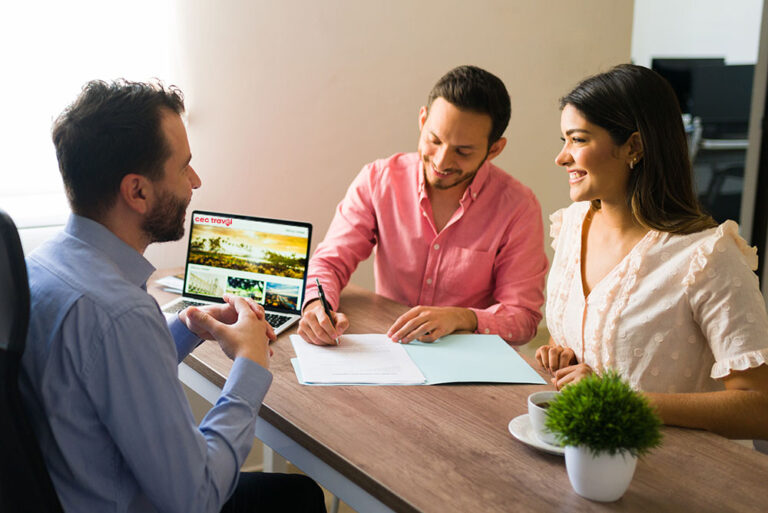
(453, 144)
(598, 168)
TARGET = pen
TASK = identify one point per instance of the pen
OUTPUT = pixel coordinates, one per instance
(325, 305)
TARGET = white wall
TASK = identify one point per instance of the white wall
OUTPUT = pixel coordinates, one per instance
(288, 100)
(696, 28)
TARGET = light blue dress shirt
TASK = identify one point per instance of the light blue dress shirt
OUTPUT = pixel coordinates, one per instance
(100, 381)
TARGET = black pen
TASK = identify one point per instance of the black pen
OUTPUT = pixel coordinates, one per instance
(325, 305)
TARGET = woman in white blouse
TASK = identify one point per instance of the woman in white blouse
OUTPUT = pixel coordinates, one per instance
(642, 280)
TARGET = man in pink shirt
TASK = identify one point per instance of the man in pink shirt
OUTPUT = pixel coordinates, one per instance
(456, 238)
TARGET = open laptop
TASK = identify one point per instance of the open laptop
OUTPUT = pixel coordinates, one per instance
(264, 259)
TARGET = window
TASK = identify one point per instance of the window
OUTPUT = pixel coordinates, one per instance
(50, 49)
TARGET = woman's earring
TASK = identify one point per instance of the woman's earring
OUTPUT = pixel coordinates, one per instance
(632, 164)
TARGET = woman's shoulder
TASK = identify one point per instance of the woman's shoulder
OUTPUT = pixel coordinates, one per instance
(717, 248)
(572, 214)
(575, 209)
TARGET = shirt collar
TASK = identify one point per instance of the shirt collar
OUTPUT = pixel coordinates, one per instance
(476, 185)
(422, 182)
(134, 267)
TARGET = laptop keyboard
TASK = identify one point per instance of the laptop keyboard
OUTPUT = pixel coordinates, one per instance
(275, 320)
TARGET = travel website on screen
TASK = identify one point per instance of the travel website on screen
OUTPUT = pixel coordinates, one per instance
(262, 260)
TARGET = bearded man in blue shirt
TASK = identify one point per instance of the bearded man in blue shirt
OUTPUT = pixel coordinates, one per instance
(99, 374)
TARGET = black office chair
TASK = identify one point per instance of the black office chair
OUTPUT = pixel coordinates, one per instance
(719, 204)
(24, 481)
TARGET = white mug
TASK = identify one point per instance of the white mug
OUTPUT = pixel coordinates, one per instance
(538, 415)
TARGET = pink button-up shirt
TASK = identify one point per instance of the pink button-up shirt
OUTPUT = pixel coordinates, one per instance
(489, 257)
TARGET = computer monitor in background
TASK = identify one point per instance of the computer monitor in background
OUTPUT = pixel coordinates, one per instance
(721, 96)
(678, 71)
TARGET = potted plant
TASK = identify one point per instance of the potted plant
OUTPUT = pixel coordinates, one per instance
(604, 425)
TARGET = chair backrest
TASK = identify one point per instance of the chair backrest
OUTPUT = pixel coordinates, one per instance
(24, 481)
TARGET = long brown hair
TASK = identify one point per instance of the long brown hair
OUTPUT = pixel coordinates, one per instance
(628, 99)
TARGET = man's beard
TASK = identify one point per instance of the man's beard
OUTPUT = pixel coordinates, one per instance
(165, 221)
(464, 178)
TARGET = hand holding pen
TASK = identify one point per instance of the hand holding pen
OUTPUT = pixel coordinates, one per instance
(326, 307)
(319, 324)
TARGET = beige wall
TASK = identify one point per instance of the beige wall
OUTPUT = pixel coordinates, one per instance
(288, 100)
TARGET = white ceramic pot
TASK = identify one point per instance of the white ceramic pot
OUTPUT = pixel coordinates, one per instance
(601, 478)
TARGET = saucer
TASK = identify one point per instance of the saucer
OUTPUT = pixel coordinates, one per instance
(520, 427)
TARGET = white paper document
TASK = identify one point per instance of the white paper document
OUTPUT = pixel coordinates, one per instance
(359, 359)
(171, 284)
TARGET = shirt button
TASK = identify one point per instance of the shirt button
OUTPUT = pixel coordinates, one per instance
(474, 195)
(429, 281)
(487, 330)
(437, 246)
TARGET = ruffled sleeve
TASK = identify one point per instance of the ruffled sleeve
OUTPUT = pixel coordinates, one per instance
(726, 301)
(740, 362)
(555, 224)
(725, 233)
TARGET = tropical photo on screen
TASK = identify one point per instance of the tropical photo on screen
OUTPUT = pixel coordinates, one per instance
(246, 287)
(280, 295)
(250, 251)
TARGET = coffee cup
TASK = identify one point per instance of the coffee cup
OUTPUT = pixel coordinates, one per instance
(537, 412)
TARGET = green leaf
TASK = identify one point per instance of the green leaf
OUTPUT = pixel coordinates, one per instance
(605, 414)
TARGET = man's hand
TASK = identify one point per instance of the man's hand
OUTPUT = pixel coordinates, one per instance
(428, 323)
(572, 374)
(224, 313)
(247, 337)
(553, 357)
(316, 328)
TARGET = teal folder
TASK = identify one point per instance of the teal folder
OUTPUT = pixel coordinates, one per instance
(471, 358)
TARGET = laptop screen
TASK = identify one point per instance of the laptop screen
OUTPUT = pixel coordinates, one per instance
(265, 259)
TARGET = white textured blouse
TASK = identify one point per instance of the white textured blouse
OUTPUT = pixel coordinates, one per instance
(677, 313)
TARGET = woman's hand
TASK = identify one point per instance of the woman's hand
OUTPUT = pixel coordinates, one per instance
(553, 357)
(571, 374)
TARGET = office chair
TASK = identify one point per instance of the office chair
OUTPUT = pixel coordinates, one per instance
(719, 204)
(24, 481)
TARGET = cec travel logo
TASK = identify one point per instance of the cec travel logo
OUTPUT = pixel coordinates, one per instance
(225, 221)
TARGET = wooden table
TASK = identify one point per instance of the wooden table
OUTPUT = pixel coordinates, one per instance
(447, 448)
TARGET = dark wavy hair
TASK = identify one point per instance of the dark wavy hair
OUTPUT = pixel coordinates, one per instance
(630, 98)
(474, 89)
(111, 130)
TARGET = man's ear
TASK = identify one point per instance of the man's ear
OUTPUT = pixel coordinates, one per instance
(423, 113)
(496, 148)
(136, 192)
